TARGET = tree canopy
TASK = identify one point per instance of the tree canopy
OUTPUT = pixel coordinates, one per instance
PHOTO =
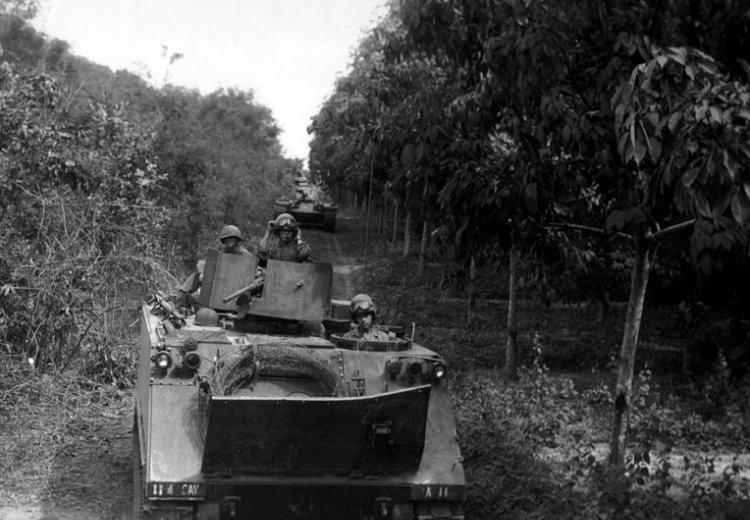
(109, 187)
(530, 123)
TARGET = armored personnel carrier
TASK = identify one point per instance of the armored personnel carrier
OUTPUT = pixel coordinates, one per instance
(254, 412)
(310, 204)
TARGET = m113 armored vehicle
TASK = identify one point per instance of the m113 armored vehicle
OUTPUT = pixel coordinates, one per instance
(254, 413)
(310, 205)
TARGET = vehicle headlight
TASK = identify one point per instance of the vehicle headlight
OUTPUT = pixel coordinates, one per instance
(191, 361)
(393, 368)
(438, 371)
(163, 360)
(415, 369)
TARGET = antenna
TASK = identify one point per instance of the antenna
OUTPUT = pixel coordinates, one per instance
(369, 194)
(367, 216)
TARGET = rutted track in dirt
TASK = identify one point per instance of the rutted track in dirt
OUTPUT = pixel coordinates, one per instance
(87, 478)
(344, 250)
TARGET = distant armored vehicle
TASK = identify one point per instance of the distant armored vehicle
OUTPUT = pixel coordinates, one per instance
(310, 204)
(266, 417)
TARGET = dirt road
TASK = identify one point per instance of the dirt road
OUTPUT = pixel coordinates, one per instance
(66, 455)
(344, 250)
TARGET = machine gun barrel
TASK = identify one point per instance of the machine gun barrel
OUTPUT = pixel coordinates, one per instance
(256, 284)
(170, 310)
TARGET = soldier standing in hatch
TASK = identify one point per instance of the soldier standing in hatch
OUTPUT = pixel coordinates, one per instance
(230, 240)
(283, 241)
(363, 313)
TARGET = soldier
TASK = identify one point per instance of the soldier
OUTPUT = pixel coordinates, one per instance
(363, 313)
(229, 243)
(283, 241)
(230, 238)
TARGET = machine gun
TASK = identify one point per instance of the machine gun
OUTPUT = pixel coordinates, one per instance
(253, 287)
(171, 314)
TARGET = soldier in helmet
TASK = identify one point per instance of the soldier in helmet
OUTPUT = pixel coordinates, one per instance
(363, 312)
(230, 239)
(283, 241)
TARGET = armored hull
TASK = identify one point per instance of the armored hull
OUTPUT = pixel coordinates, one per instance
(308, 213)
(256, 418)
(310, 205)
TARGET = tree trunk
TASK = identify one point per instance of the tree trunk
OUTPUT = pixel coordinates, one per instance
(381, 217)
(355, 204)
(604, 306)
(394, 235)
(471, 290)
(407, 226)
(638, 284)
(407, 233)
(423, 246)
(511, 343)
(425, 226)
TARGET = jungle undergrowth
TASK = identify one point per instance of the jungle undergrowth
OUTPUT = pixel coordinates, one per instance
(536, 448)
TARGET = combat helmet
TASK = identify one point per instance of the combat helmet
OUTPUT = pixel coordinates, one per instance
(362, 302)
(206, 317)
(230, 231)
(285, 221)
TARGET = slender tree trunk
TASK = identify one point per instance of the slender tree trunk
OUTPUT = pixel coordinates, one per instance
(423, 246)
(407, 226)
(623, 391)
(604, 306)
(471, 290)
(381, 217)
(394, 235)
(425, 225)
(355, 203)
(407, 233)
(511, 344)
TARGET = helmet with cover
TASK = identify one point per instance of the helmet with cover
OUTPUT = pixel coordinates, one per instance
(362, 303)
(206, 317)
(285, 222)
(230, 231)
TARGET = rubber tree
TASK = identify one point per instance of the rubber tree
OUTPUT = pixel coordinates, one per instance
(508, 58)
(684, 135)
(336, 149)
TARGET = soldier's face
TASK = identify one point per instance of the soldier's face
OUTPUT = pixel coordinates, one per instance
(230, 244)
(363, 321)
(286, 235)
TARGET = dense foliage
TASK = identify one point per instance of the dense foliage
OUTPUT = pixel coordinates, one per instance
(536, 447)
(528, 127)
(585, 143)
(109, 187)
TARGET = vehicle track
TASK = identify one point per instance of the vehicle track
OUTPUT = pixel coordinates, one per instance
(343, 250)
